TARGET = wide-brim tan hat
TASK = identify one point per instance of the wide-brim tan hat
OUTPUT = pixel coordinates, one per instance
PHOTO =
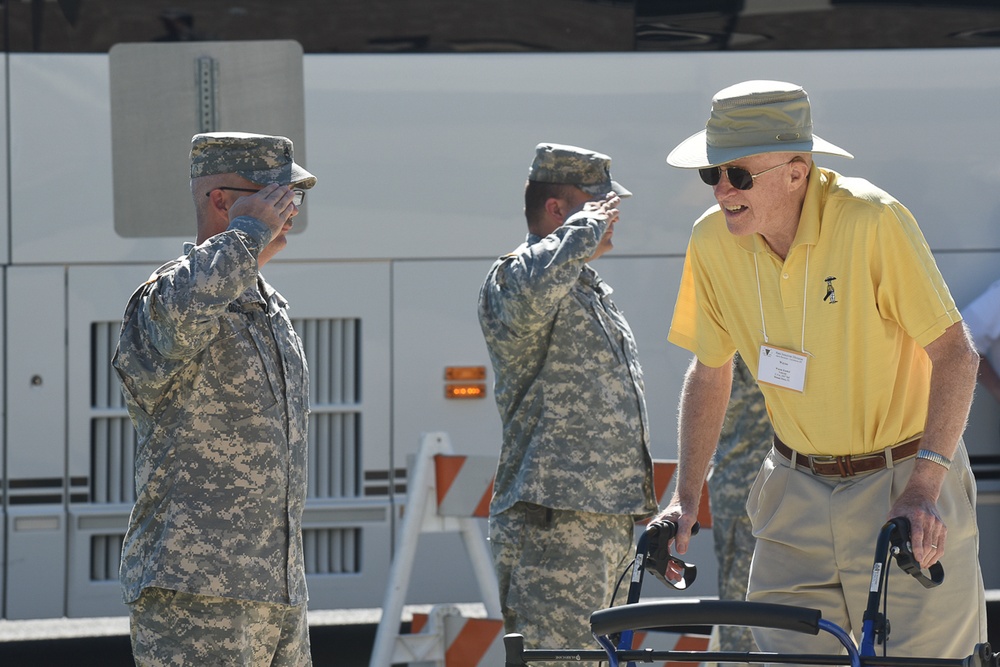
(752, 118)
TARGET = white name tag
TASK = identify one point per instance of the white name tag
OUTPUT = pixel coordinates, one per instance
(782, 368)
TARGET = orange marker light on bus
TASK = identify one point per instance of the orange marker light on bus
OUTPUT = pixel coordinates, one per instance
(462, 382)
(464, 373)
(471, 390)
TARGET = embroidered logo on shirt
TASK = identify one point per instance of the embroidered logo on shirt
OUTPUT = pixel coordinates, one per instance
(831, 295)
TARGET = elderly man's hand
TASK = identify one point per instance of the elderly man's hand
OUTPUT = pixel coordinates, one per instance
(928, 533)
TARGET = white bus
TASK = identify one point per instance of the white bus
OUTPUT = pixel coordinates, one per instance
(419, 119)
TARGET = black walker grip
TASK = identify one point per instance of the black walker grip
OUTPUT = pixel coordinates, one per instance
(655, 544)
(651, 615)
(513, 645)
(900, 539)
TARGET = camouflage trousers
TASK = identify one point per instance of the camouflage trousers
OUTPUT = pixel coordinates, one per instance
(734, 543)
(555, 568)
(174, 628)
(743, 445)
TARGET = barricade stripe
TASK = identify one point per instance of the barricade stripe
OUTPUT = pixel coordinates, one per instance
(689, 643)
(684, 642)
(482, 510)
(446, 469)
(418, 623)
(464, 485)
(663, 473)
(472, 642)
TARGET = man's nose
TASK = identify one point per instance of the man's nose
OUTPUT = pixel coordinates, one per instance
(723, 186)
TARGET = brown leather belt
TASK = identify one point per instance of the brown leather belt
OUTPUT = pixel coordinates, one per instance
(850, 465)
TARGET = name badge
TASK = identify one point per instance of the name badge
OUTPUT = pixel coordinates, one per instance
(782, 368)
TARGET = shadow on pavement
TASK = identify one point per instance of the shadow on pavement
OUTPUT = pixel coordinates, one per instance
(332, 646)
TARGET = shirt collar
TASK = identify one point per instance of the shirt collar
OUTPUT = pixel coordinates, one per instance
(812, 208)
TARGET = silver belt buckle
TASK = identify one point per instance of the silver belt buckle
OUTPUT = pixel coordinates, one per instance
(820, 458)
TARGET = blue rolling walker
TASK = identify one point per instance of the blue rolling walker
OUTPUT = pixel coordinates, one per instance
(613, 628)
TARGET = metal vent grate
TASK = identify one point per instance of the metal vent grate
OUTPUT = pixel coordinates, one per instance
(112, 461)
(112, 437)
(105, 556)
(105, 391)
(333, 351)
(332, 550)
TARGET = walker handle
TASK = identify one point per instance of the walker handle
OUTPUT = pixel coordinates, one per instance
(655, 615)
(902, 550)
(669, 569)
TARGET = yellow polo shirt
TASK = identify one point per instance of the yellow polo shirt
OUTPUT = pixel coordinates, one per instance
(859, 292)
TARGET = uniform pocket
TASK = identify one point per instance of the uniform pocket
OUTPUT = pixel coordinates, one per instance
(237, 384)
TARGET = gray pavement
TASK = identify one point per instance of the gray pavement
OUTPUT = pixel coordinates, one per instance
(340, 638)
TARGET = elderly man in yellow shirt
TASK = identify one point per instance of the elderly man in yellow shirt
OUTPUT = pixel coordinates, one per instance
(826, 287)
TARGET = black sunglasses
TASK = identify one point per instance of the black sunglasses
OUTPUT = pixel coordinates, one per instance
(740, 178)
(298, 196)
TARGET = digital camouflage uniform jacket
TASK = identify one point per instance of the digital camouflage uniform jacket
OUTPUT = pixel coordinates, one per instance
(568, 383)
(216, 384)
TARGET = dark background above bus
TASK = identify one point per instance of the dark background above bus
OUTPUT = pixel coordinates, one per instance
(491, 26)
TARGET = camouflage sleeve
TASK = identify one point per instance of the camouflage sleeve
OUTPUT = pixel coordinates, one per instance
(526, 286)
(180, 309)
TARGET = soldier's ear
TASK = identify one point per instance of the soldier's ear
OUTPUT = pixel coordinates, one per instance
(555, 209)
(217, 199)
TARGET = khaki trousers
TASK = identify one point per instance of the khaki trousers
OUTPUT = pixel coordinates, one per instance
(815, 548)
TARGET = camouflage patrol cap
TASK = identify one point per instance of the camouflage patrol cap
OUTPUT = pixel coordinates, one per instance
(587, 170)
(259, 158)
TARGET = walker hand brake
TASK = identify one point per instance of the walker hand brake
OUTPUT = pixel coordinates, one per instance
(661, 564)
(902, 551)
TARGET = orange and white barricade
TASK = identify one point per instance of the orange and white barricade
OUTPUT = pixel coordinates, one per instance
(685, 642)
(450, 493)
(446, 493)
(468, 642)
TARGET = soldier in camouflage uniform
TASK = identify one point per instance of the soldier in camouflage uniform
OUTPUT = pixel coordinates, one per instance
(745, 441)
(216, 384)
(574, 470)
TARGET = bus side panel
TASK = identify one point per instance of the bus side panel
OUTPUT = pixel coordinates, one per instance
(425, 156)
(36, 446)
(421, 162)
(435, 327)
